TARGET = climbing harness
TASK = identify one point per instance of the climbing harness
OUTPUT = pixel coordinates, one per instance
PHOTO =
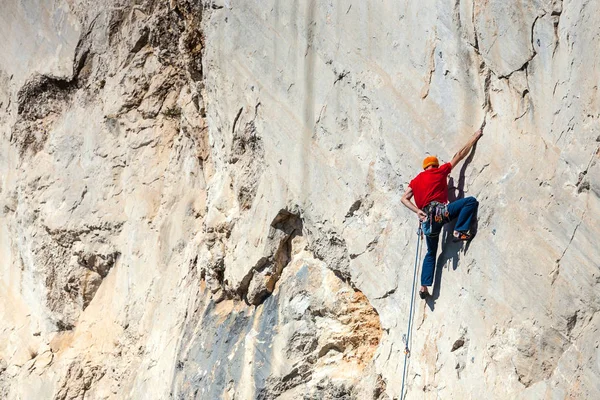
(436, 212)
(406, 337)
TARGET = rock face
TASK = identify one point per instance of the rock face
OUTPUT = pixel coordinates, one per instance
(201, 199)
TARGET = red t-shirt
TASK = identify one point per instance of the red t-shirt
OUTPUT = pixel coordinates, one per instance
(431, 185)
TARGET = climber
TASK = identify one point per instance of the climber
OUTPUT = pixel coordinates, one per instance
(430, 190)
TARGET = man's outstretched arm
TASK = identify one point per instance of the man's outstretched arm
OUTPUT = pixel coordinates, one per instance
(462, 153)
(411, 206)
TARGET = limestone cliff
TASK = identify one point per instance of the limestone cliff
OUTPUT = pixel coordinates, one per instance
(201, 199)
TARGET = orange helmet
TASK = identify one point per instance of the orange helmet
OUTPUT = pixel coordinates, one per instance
(429, 161)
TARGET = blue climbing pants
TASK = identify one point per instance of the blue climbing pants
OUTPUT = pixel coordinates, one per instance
(463, 209)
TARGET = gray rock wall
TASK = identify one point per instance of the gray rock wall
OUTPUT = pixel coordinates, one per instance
(202, 199)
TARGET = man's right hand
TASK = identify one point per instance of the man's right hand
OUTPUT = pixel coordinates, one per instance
(422, 215)
(462, 153)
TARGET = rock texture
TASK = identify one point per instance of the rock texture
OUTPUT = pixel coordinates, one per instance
(201, 199)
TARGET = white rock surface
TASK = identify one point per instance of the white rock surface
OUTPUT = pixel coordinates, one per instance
(202, 199)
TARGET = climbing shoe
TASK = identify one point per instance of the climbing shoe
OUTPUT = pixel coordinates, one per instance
(423, 295)
(462, 236)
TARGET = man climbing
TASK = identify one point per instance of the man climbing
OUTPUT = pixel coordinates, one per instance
(430, 190)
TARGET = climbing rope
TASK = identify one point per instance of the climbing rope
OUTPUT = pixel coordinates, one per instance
(410, 315)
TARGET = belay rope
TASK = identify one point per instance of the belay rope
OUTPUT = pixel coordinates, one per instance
(410, 315)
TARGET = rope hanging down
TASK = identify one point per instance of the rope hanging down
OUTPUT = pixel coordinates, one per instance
(410, 315)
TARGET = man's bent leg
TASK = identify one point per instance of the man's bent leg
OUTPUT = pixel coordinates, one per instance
(463, 209)
(429, 260)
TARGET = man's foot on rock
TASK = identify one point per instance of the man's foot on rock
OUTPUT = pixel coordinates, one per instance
(462, 236)
(423, 294)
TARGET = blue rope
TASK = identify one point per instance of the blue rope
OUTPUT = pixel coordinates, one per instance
(412, 300)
